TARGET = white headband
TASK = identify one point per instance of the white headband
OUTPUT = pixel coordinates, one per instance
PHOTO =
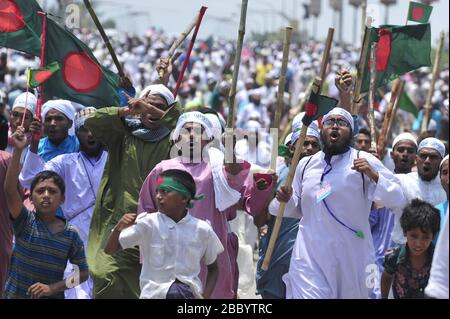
(62, 106)
(159, 89)
(80, 116)
(341, 112)
(195, 117)
(433, 143)
(404, 137)
(29, 102)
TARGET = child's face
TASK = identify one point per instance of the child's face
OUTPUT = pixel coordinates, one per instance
(418, 241)
(170, 202)
(47, 197)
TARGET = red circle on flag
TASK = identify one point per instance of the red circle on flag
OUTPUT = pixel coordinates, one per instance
(11, 17)
(80, 72)
(417, 13)
(311, 109)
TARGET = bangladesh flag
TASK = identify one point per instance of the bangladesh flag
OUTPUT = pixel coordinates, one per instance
(317, 106)
(37, 77)
(82, 79)
(419, 12)
(20, 26)
(401, 49)
(406, 104)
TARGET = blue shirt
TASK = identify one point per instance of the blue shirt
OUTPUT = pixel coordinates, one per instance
(41, 256)
(47, 150)
(381, 225)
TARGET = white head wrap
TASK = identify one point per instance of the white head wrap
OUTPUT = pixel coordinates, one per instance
(159, 89)
(81, 116)
(252, 126)
(217, 126)
(341, 112)
(313, 128)
(30, 102)
(404, 137)
(288, 139)
(195, 117)
(433, 143)
(443, 161)
(62, 106)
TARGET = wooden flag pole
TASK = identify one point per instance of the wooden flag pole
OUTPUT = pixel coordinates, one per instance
(176, 44)
(188, 53)
(372, 89)
(428, 102)
(360, 74)
(237, 61)
(36, 136)
(280, 97)
(296, 158)
(104, 37)
(387, 117)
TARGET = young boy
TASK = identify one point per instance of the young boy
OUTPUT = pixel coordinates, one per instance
(44, 242)
(408, 266)
(171, 241)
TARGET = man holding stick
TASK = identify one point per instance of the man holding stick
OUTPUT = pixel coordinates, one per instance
(333, 256)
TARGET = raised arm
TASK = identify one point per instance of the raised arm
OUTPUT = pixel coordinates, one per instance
(113, 245)
(13, 198)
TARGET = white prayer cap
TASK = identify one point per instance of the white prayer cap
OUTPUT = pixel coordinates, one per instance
(252, 126)
(217, 126)
(193, 117)
(404, 137)
(297, 122)
(80, 116)
(27, 102)
(443, 161)
(433, 143)
(288, 139)
(62, 106)
(159, 89)
(341, 112)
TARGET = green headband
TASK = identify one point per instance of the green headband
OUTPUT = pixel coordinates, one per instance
(171, 185)
(283, 151)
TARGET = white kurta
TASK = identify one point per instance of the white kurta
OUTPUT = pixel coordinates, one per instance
(328, 260)
(82, 179)
(414, 187)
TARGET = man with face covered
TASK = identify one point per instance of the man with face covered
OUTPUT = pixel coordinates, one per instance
(135, 146)
(81, 172)
(423, 184)
(333, 256)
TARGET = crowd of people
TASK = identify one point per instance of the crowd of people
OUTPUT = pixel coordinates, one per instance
(147, 199)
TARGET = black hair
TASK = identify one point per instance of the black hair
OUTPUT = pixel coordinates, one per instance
(420, 214)
(182, 177)
(364, 131)
(44, 175)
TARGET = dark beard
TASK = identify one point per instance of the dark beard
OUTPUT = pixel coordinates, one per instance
(331, 150)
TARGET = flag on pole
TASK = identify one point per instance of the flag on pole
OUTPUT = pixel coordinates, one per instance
(419, 12)
(37, 77)
(405, 103)
(317, 106)
(82, 79)
(401, 49)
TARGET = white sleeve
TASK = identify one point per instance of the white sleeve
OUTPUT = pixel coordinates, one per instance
(297, 185)
(388, 190)
(213, 247)
(438, 283)
(133, 235)
(290, 209)
(32, 165)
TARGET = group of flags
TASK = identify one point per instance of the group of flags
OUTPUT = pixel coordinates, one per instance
(72, 72)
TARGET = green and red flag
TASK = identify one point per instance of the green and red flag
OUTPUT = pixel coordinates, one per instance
(419, 12)
(37, 77)
(82, 79)
(401, 49)
(317, 106)
(405, 103)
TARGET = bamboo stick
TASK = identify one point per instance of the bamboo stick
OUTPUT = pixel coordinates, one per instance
(373, 82)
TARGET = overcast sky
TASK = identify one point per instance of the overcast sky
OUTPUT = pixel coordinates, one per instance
(222, 16)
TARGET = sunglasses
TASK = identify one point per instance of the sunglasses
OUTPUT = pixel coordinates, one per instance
(339, 122)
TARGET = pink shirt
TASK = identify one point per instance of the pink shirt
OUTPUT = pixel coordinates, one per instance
(252, 199)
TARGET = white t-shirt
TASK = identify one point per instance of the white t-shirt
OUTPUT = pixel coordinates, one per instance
(171, 251)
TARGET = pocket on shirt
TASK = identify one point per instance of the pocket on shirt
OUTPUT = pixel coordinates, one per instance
(157, 255)
(192, 255)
